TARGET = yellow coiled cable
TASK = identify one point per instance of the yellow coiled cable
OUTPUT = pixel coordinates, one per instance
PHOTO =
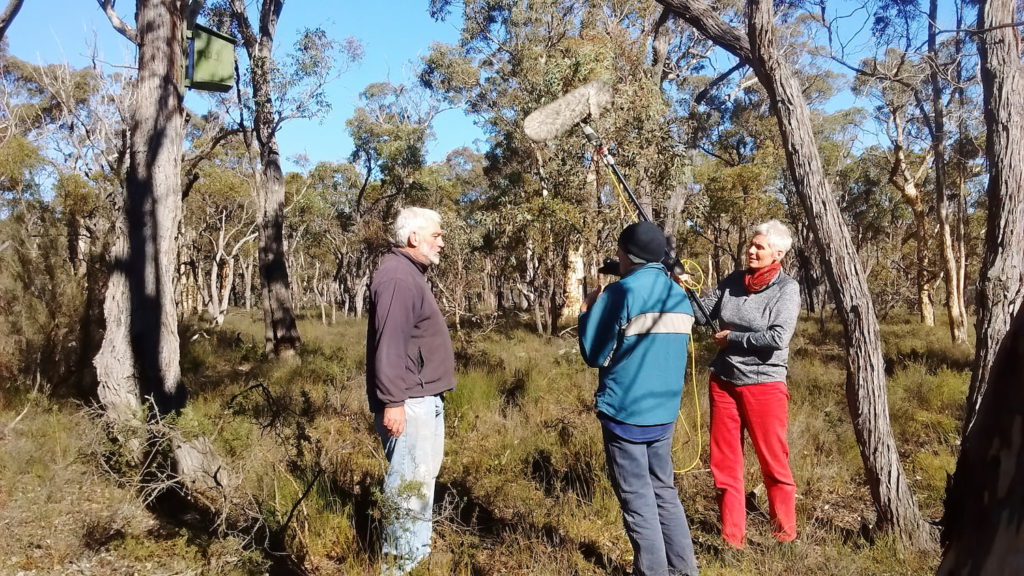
(694, 280)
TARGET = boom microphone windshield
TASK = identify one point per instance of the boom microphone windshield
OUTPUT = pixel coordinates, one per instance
(558, 117)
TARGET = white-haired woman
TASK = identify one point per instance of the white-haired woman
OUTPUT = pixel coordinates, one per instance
(757, 310)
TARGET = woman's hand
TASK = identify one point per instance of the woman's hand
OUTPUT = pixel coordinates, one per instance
(722, 338)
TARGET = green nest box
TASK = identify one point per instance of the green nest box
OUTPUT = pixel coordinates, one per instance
(210, 60)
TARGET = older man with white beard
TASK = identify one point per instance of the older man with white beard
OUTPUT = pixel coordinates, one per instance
(410, 364)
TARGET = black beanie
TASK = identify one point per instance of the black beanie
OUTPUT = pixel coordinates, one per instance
(643, 240)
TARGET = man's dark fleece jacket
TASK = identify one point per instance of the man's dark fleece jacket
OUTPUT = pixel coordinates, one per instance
(408, 349)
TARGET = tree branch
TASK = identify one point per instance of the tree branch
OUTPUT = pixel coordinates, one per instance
(705, 91)
(705, 20)
(191, 165)
(8, 16)
(305, 493)
(661, 38)
(245, 30)
(7, 430)
(120, 25)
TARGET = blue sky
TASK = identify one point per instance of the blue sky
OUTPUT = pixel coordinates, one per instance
(394, 34)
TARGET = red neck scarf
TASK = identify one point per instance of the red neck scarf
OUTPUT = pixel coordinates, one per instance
(757, 280)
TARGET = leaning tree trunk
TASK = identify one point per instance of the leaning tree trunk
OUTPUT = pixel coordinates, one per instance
(865, 372)
(865, 381)
(1002, 269)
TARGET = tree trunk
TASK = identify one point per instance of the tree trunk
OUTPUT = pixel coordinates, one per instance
(982, 532)
(576, 259)
(281, 332)
(140, 352)
(905, 180)
(808, 283)
(191, 297)
(960, 242)
(865, 380)
(333, 287)
(117, 383)
(555, 288)
(90, 322)
(247, 280)
(489, 298)
(213, 289)
(964, 76)
(576, 275)
(297, 282)
(925, 294)
(138, 363)
(321, 289)
(227, 276)
(360, 296)
(865, 375)
(955, 309)
(1002, 271)
(229, 280)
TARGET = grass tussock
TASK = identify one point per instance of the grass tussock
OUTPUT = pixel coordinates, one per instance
(523, 487)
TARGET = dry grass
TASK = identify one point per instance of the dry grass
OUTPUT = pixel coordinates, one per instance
(59, 515)
(523, 488)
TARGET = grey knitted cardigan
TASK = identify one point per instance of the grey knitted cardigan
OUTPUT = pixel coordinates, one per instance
(761, 324)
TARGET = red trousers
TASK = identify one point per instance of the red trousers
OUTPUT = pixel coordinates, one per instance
(763, 411)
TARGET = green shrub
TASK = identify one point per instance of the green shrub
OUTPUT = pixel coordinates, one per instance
(927, 407)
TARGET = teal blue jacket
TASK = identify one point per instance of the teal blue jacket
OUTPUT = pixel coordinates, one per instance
(636, 334)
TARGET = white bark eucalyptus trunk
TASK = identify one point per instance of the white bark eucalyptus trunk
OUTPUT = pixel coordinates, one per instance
(865, 371)
(1002, 269)
(905, 180)
(955, 309)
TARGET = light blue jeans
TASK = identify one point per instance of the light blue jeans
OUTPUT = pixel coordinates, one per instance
(414, 460)
(642, 476)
